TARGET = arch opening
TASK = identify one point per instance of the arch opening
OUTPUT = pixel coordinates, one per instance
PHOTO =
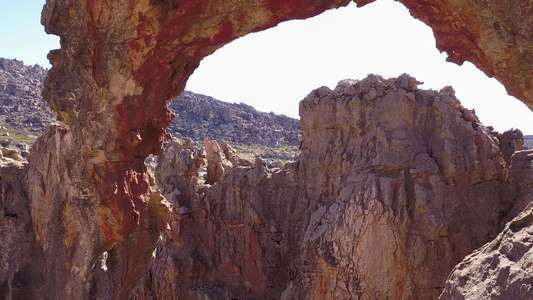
(274, 69)
(120, 62)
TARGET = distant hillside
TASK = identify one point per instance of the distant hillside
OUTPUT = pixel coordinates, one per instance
(24, 114)
(199, 116)
(528, 141)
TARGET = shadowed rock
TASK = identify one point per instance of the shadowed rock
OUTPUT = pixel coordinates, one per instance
(97, 219)
(393, 187)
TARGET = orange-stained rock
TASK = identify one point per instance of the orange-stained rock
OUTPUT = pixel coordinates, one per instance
(493, 35)
(120, 61)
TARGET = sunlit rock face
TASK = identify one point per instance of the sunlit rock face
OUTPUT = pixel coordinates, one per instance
(91, 203)
(393, 187)
(406, 181)
(94, 215)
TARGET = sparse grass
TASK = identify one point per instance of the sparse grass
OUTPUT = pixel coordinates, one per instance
(283, 153)
(16, 135)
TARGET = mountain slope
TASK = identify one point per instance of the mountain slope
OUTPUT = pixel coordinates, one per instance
(199, 116)
(24, 114)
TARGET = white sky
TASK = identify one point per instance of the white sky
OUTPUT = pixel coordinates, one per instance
(274, 69)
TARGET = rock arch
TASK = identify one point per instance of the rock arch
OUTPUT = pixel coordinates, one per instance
(121, 61)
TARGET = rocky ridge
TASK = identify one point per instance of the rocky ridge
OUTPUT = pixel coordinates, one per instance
(88, 192)
(198, 116)
(382, 203)
(21, 106)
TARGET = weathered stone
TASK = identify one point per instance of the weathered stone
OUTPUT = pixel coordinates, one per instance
(502, 269)
(215, 169)
(394, 172)
(22, 107)
(199, 117)
(236, 238)
(493, 35)
(89, 191)
(21, 269)
(510, 142)
(389, 193)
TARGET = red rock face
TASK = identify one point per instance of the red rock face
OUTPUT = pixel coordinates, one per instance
(493, 35)
(121, 61)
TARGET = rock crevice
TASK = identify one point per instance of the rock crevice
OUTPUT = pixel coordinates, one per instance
(89, 191)
(393, 187)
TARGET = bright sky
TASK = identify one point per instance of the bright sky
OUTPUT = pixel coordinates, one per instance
(274, 69)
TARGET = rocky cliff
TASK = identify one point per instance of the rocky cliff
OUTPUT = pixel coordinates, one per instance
(501, 269)
(95, 218)
(21, 105)
(393, 187)
(199, 117)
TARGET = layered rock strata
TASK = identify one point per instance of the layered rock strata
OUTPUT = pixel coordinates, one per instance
(393, 187)
(95, 217)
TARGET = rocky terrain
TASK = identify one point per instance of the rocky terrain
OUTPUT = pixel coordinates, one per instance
(27, 115)
(393, 187)
(23, 113)
(528, 141)
(84, 219)
(199, 117)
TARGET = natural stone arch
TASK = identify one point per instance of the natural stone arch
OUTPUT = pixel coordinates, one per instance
(119, 64)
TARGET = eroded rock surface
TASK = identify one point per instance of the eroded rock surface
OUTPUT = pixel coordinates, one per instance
(24, 113)
(393, 187)
(96, 218)
(21, 105)
(397, 173)
(199, 116)
(502, 269)
(239, 238)
(492, 35)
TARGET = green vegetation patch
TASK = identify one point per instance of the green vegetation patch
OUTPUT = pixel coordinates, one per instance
(13, 134)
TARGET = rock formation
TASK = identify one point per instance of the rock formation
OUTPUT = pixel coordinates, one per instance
(502, 269)
(95, 217)
(25, 112)
(510, 142)
(492, 35)
(199, 117)
(21, 105)
(394, 186)
(215, 169)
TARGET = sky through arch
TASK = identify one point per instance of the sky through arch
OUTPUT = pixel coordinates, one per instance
(274, 69)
